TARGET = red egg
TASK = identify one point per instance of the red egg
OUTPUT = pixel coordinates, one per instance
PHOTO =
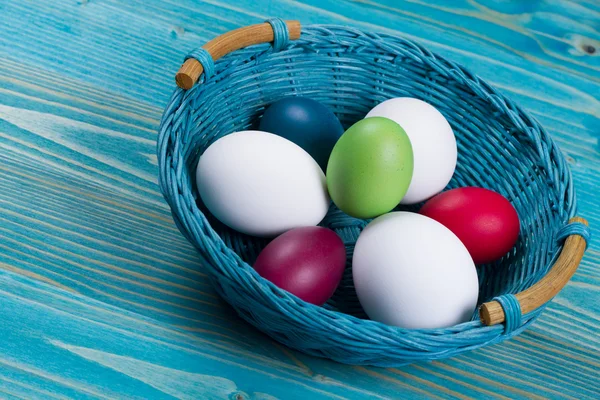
(485, 221)
(308, 262)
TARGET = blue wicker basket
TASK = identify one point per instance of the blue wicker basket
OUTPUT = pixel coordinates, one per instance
(500, 147)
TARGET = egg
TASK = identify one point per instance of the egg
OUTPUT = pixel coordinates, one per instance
(307, 262)
(485, 221)
(261, 184)
(370, 168)
(411, 271)
(433, 143)
(305, 122)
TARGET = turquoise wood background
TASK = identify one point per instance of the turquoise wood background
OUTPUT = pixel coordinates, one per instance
(101, 297)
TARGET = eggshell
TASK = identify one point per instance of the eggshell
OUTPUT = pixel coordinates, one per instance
(433, 143)
(261, 184)
(305, 122)
(370, 168)
(308, 262)
(485, 221)
(411, 271)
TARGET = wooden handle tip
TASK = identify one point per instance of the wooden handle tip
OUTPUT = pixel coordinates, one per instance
(485, 316)
(184, 81)
(188, 74)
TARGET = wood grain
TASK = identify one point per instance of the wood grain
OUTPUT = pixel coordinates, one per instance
(101, 297)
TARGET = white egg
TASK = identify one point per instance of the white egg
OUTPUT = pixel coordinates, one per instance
(433, 143)
(261, 184)
(411, 271)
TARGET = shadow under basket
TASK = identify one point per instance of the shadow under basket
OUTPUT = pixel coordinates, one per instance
(225, 87)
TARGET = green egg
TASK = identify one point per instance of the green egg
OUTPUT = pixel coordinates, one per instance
(370, 168)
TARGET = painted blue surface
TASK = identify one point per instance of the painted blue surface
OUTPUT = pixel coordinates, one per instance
(101, 297)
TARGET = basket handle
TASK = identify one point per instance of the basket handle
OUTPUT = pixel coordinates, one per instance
(492, 313)
(220, 46)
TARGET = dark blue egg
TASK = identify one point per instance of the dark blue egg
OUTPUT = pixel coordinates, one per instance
(305, 122)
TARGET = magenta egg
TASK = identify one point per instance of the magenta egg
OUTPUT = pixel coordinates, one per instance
(307, 262)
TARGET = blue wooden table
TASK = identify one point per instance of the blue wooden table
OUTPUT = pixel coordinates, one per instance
(101, 297)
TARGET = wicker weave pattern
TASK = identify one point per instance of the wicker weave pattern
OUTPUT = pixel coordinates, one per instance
(500, 147)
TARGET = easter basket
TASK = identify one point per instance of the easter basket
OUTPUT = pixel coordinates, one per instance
(225, 86)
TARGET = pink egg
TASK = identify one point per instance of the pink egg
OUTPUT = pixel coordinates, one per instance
(307, 262)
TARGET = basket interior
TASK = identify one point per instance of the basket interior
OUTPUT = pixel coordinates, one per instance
(498, 147)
